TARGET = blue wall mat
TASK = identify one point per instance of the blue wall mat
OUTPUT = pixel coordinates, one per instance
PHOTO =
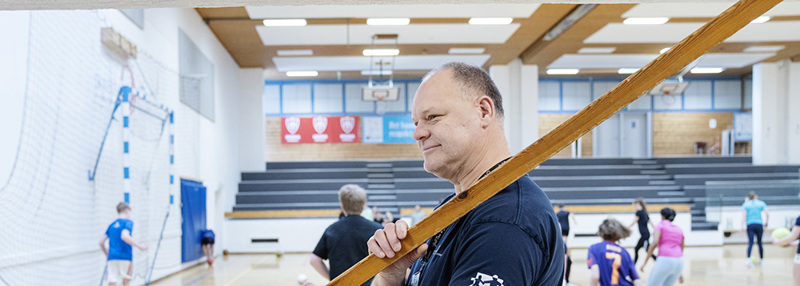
(193, 209)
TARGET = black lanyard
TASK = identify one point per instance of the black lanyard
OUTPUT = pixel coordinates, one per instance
(434, 241)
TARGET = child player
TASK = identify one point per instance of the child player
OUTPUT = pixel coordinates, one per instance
(119, 252)
(611, 264)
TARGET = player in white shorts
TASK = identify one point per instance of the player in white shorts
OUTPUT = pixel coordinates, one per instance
(119, 252)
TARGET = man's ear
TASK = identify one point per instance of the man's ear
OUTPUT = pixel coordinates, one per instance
(486, 108)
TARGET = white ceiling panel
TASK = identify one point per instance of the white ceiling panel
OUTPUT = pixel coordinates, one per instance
(672, 33)
(363, 63)
(394, 11)
(685, 10)
(588, 61)
(362, 34)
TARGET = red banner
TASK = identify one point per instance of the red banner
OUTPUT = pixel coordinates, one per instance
(320, 129)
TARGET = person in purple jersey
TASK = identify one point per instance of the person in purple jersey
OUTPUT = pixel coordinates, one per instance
(788, 240)
(610, 264)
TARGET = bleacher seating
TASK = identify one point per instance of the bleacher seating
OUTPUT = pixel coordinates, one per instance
(396, 186)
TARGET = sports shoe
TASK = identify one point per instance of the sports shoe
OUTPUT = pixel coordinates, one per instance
(749, 263)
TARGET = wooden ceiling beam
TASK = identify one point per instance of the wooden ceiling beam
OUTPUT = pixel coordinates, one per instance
(543, 53)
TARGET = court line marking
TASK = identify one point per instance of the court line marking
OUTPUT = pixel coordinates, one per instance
(245, 272)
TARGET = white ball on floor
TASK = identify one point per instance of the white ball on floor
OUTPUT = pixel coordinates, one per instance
(301, 278)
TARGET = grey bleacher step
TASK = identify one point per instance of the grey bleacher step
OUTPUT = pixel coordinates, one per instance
(662, 182)
(670, 194)
(379, 165)
(379, 170)
(645, 162)
(393, 210)
(653, 172)
(374, 181)
(380, 186)
(704, 226)
(380, 175)
(382, 198)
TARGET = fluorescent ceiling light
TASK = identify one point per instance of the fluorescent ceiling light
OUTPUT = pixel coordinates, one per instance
(490, 21)
(707, 70)
(646, 21)
(388, 21)
(664, 50)
(563, 71)
(302, 73)
(466, 51)
(295, 52)
(759, 20)
(284, 22)
(761, 49)
(381, 52)
(597, 50)
(376, 72)
(627, 70)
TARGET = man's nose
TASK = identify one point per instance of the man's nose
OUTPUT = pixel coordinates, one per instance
(421, 133)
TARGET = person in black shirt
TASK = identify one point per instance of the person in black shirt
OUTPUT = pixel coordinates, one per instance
(513, 237)
(642, 218)
(563, 219)
(344, 243)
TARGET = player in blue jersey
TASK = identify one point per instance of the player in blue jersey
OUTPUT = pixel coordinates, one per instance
(751, 215)
(120, 252)
(610, 263)
(207, 241)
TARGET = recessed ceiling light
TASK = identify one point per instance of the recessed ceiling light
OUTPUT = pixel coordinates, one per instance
(388, 21)
(302, 73)
(707, 70)
(466, 50)
(563, 71)
(761, 49)
(490, 21)
(646, 21)
(284, 22)
(295, 52)
(627, 70)
(381, 52)
(664, 50)
(597, 50)
(376, 72)
(759, 20)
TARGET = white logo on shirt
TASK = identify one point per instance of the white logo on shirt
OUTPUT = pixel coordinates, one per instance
(486, 280)
(116, 224)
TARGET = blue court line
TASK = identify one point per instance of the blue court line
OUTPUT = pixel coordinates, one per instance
(198, 278)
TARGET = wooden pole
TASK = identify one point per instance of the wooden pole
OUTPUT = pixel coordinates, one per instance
(689, 49)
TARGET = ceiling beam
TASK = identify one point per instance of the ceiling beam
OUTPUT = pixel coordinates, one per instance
(543, 52)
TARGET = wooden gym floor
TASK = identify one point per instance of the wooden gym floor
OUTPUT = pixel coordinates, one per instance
(702, 266)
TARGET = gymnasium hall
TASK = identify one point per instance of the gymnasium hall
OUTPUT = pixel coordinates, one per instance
(207, 142)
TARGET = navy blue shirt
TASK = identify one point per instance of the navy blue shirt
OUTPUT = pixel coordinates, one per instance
(512, 238)
(344, 243)
(563, 219)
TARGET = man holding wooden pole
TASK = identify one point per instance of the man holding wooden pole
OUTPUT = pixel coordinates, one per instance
(513, 238)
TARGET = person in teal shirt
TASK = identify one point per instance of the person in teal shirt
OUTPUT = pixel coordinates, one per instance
(751, 216)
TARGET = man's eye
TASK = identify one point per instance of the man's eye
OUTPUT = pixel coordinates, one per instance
(431, 117)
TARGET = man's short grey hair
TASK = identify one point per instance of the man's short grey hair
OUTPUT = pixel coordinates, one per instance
(353, 199)
(472, 79)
